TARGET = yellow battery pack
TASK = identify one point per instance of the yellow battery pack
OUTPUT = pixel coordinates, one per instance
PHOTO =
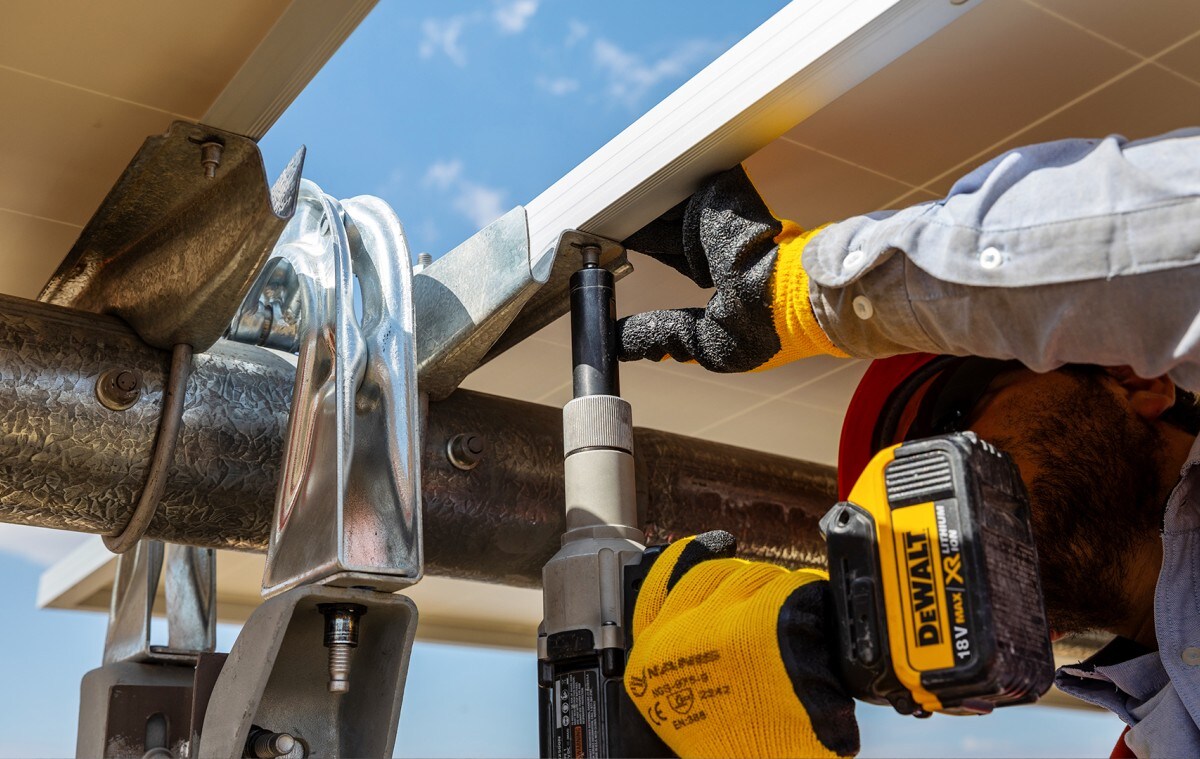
(934, 580)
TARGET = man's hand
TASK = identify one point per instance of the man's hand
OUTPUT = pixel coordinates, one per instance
(731, 657)
(759, 317)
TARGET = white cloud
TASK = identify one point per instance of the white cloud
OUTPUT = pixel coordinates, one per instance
(630, 77)
(559, 85)
(477, 202)
(38, 544)
(576, 31)
(444, 36)
(511, 16)
(442, 174)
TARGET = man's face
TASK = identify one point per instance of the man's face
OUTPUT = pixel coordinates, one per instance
(1092, 468)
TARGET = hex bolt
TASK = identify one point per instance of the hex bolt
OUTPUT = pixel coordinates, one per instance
(210, 157)
(341, 638)
(423, 260)
(119, 389)
(465, 450)
(266, 744)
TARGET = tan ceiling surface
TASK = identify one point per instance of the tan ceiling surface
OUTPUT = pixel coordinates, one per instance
(82, 85)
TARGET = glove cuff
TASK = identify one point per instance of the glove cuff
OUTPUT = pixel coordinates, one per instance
(800, 334)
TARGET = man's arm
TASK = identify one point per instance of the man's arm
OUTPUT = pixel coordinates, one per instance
(1076, 251)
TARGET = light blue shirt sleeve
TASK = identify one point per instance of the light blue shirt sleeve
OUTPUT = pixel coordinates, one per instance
(1077, 251)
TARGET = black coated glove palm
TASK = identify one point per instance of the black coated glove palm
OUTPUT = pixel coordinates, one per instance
(724, 236)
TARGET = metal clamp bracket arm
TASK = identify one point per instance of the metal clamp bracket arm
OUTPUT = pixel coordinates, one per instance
(164, 453)
(347, 510)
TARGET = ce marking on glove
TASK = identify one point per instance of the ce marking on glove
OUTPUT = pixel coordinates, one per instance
(656, 715)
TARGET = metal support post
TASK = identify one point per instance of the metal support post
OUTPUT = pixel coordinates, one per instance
(142, 698)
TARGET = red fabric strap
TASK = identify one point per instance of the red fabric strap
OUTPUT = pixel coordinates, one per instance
(1122, 750)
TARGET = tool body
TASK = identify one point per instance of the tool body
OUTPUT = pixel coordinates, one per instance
(934, 579)
(590, 583)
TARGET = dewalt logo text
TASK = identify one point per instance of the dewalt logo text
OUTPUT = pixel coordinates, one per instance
(926, 608)
(919, 615)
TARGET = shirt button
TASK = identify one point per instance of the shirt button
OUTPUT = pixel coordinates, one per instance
(1191, 656)
(864, 310)
(991, 258)
(854, 260)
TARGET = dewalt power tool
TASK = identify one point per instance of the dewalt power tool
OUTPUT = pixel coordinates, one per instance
(934, 579)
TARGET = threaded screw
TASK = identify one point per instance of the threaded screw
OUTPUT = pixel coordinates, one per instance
(210, 157)
(341, 638)
(266, 744)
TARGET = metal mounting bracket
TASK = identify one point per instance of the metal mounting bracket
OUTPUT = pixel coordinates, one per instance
(275, 678)
(347, 511)
(467, 298)
(177, 242)
(190, 592)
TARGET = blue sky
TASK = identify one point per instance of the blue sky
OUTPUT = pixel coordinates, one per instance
(453, 113)
(456, 112)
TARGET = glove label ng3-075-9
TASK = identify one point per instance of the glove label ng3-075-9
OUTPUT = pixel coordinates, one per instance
(677, 685)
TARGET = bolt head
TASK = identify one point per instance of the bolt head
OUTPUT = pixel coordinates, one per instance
(465, 450)
(126, 382)
(119, 389)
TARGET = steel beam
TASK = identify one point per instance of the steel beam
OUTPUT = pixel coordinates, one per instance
(69, 462)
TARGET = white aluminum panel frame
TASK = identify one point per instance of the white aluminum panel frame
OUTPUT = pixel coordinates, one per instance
(304, 38)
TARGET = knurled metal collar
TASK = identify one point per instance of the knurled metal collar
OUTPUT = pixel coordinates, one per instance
(597, 421)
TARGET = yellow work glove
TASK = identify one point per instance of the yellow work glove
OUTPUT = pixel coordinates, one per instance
(724, 236)
(731, 658)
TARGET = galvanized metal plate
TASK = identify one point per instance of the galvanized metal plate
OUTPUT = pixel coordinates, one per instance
(172, 250)
(553, 298)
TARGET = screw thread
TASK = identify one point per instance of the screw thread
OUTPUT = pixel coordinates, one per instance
(339, 667)
(267, 744)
